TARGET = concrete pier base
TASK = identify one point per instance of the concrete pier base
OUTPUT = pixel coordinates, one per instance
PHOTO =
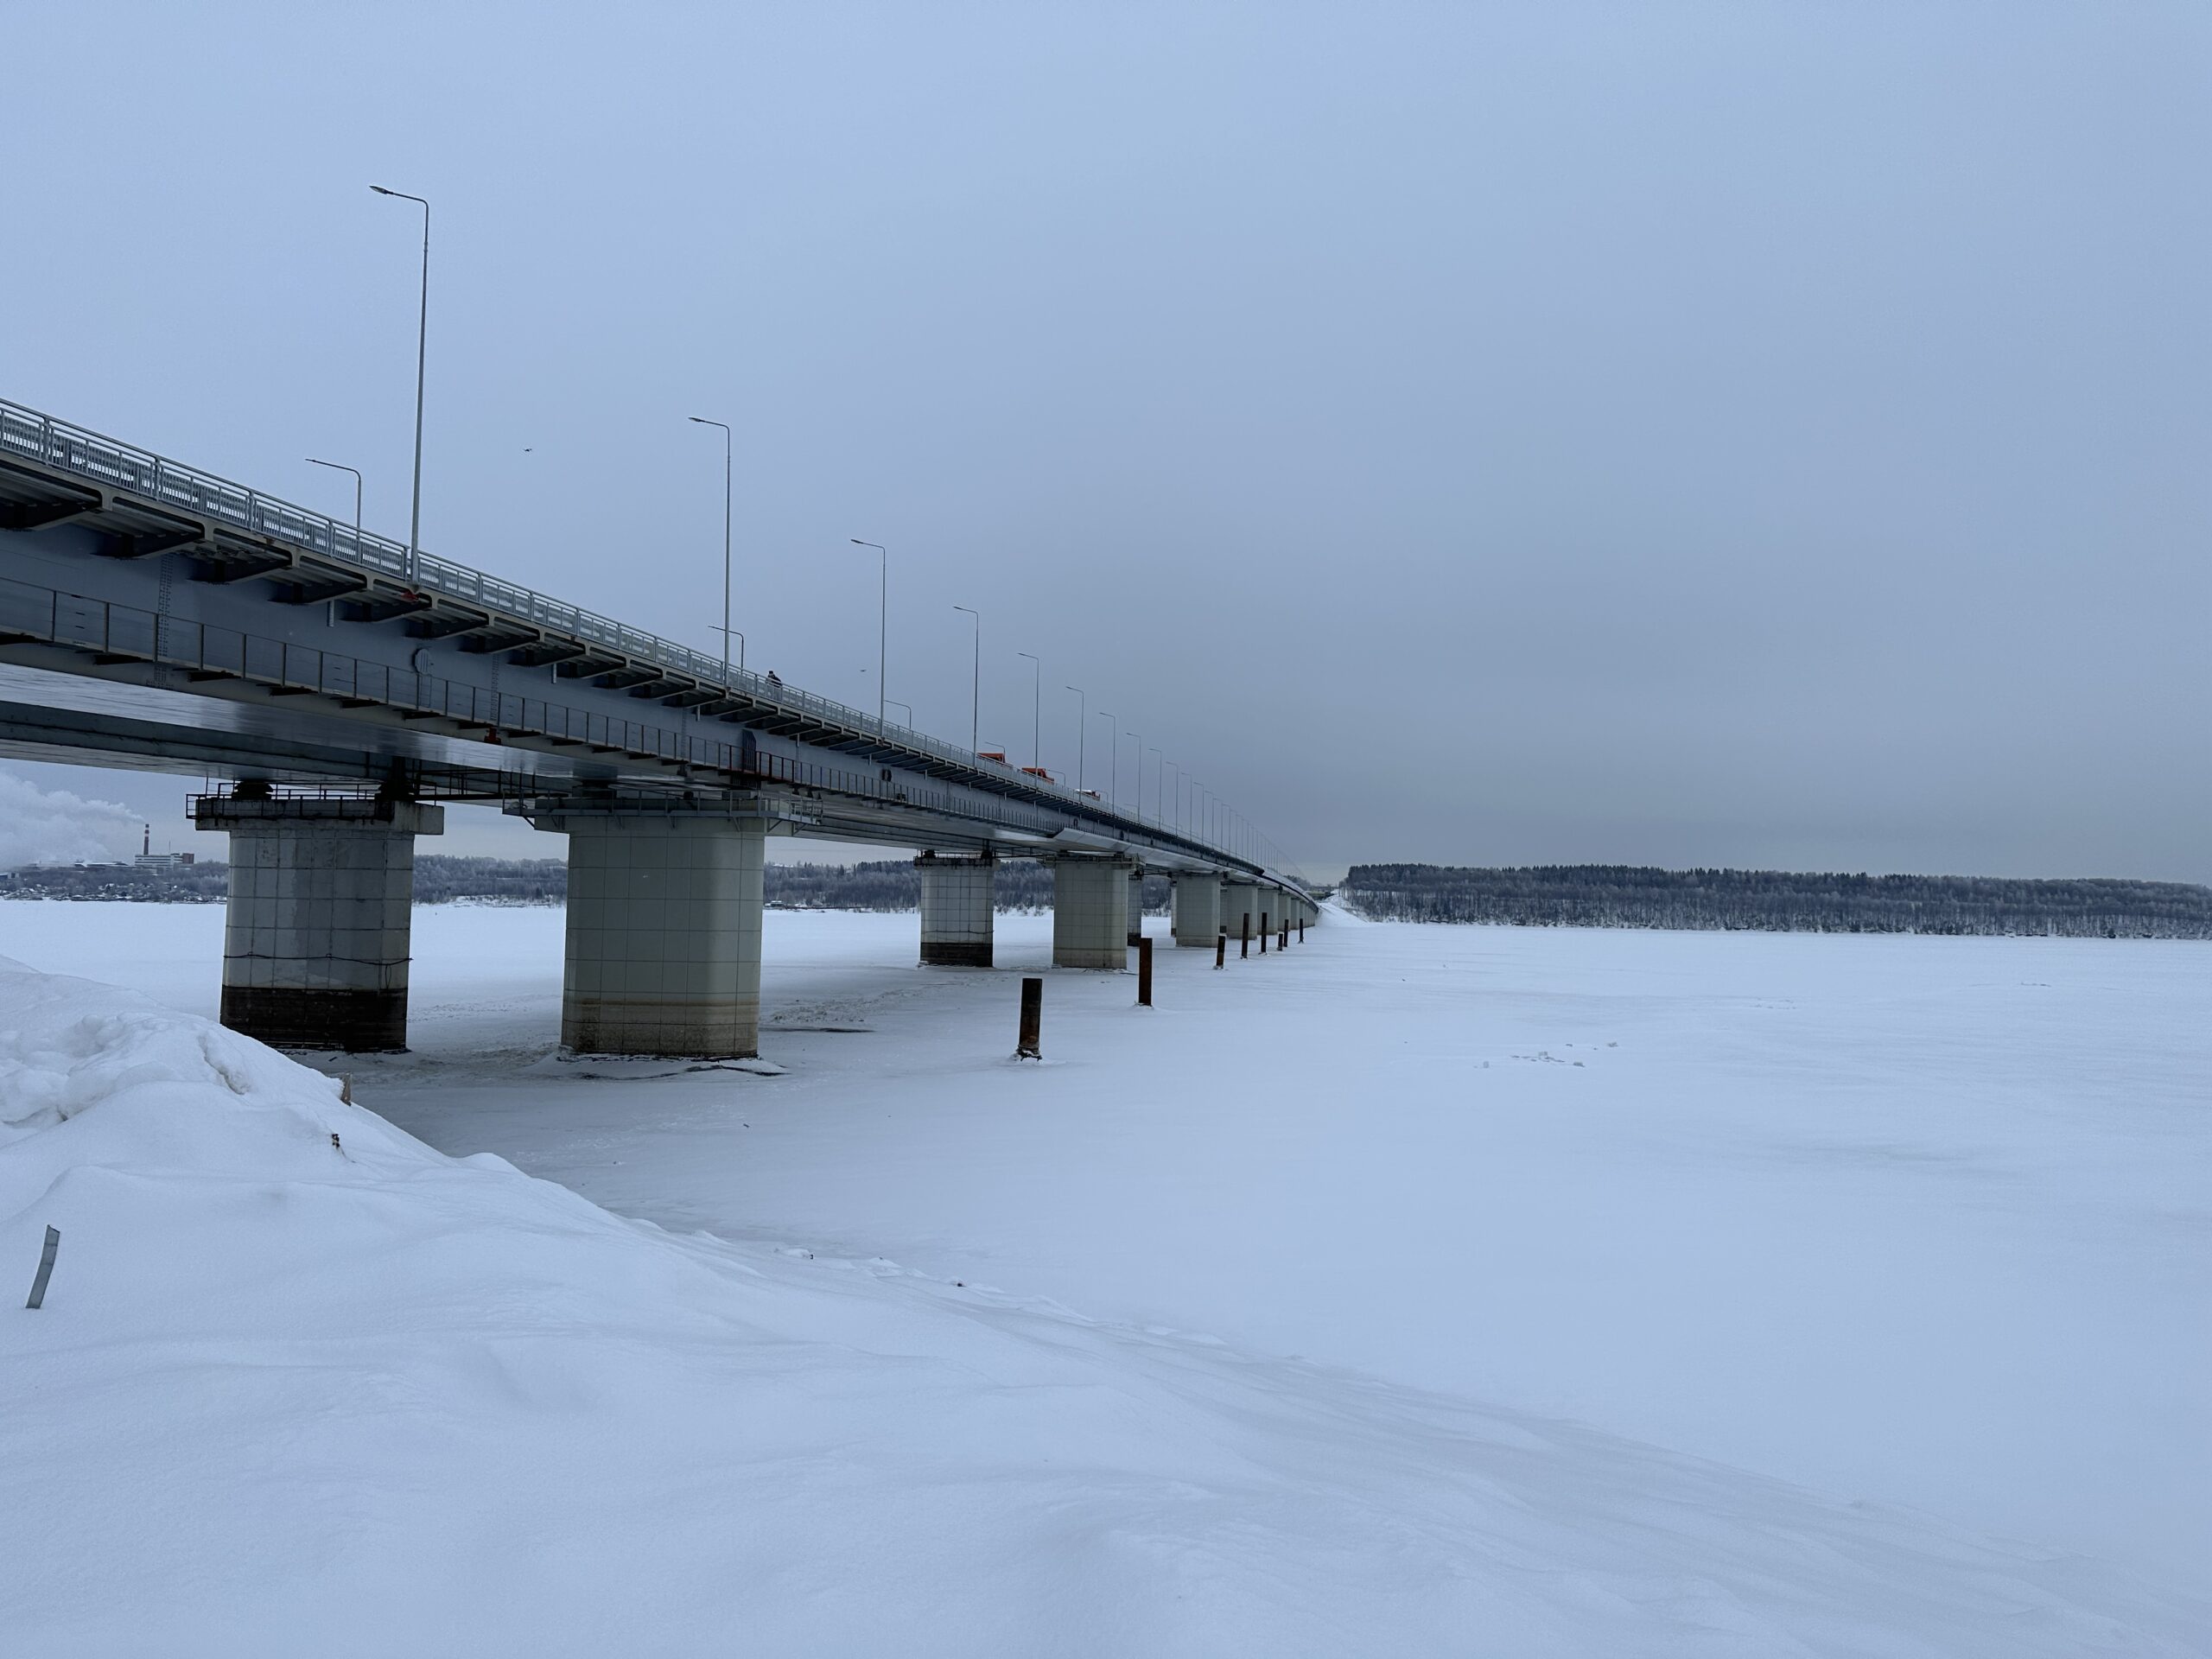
(958, 912)
(315, 938)
(1198, 910)
(1090, 912)
(663, 938)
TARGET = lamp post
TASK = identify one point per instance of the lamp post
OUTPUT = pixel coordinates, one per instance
(422, 355)
(908, 707)
(1036, 710)
(882, 623)
(1114, 765)
(1081, 731)
(728, 453)
(341, 467)
(1138, 770)
(975, 687)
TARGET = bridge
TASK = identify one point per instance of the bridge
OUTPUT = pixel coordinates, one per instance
(345, 688)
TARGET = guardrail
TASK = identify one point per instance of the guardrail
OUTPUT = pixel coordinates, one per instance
(119, 632)
(104, 460)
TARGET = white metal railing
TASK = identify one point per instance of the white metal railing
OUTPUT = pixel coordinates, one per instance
(107, 460)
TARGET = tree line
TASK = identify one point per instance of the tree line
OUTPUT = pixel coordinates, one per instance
(895, 884)
(440, 879)
(1619, 895)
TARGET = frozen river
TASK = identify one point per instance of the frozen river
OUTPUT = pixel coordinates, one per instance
(1918, 1221)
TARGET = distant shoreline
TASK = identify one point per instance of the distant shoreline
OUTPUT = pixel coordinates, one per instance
(1580, 895)
(1773, 901)
(440, 878)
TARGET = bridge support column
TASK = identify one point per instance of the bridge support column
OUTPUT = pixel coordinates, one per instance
(1240, 900)
(1197, 910)
(664, 945)
(1136, 905)
(1090, 912)
(958, 912)
(315, 937)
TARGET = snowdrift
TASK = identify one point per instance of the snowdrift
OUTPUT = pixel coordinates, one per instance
(295, 1393)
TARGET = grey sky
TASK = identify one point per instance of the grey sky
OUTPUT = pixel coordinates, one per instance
(1763, 435)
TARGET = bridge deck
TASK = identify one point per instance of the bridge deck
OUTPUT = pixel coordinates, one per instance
(421, 679)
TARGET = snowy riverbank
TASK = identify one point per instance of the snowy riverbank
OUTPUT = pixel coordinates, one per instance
(1902, 1222)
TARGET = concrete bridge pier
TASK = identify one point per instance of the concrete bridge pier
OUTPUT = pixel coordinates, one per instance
(315, 938)
(1240, 901)
(664, 934)
(1197, 910)
(1090, 912)
(957, 910)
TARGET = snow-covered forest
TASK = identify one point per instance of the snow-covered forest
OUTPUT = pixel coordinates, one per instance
(1615, 895)
(440, 879)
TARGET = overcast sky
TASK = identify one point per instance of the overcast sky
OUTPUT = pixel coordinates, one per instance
(1768, 435)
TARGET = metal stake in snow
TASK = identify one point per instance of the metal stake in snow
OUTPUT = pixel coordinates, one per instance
(1144, 972)
(1033, 1020)
(45, 1267)
(1221, 947)
(1244, 939)
(1264, 931)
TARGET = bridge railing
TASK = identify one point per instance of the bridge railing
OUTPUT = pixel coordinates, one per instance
(120, 632)
(102, 460)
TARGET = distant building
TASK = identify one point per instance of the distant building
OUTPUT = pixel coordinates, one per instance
(148, 859)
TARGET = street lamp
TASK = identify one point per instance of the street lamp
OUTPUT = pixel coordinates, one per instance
(1139, 770)
(341, 467)
(1082, 730)
(976, 688)
(729, 444)
(908, 707)
(1114, 766)
(1036, 710)
(422, 354)
(882, 623)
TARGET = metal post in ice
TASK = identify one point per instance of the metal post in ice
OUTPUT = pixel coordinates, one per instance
(45, 1267)
(1033, 1020)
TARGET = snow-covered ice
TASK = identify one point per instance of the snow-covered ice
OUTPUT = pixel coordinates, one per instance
(1425, 1290)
